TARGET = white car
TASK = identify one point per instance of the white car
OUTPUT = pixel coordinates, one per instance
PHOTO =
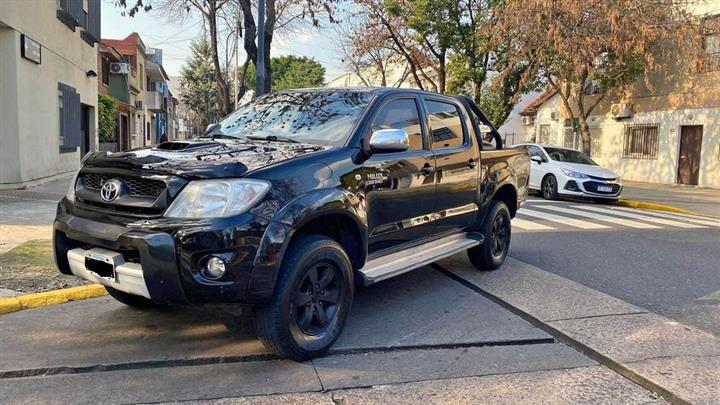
(563, 172)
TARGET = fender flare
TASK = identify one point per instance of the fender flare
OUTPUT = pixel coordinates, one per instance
(284, 225)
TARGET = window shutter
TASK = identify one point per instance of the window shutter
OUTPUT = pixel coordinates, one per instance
(70, 121)
(93, 24)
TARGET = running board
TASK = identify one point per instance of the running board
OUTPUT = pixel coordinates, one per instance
(397, 263)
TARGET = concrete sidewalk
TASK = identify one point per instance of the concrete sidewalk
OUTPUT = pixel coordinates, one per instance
(28, 214)
(697, 199)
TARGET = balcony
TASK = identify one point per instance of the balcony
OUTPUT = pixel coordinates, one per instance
(154, 101)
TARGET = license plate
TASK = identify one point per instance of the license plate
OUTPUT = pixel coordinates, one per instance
(605, 189)
(102, 262)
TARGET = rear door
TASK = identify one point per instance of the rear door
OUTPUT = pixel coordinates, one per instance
(456, 158)
(399, 186)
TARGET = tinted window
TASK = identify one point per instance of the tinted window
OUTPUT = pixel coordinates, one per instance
(569, 156)
(325, 118)
(445, 123)
(535, 151)
(401, 114)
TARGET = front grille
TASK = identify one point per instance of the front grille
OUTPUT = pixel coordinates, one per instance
(136, 186)
(592, 186)
(602, 178)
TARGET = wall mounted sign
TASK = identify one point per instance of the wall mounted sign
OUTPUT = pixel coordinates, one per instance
(31, 50)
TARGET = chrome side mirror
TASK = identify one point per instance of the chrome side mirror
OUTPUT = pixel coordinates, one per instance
(485, 129)
(389, 140)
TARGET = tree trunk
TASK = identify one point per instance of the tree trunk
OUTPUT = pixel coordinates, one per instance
(585, 135)
(250, 30)
(270, 17)
(219, 79)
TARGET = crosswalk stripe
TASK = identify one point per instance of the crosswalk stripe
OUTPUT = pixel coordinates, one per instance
(530, 226)
(605, 218)
(578, 223)
(646, 218)
(706, 221)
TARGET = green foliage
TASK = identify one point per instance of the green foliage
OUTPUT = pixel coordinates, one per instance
(107, 117)
(200, 91)
(291, 72)
(494, 107)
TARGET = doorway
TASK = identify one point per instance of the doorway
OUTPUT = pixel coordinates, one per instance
(123, 130)
(84, 130)
(689, 160)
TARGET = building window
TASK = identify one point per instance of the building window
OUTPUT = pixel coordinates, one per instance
(105, 71)
(711, 44)
(544, 134)
(62, 116)
(641, 141)
(142, 78)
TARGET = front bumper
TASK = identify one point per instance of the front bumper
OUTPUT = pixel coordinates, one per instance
(161, 259)
(588, 188)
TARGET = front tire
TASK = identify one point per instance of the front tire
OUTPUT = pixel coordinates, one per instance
(131, 300)
(549, 187)
(497, 230)
(312, 299)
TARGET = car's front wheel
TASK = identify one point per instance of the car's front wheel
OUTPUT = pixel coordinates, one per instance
(312, 299)
(550, 187)
(497, 231)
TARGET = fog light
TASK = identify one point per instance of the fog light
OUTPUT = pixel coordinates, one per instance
(214, 268)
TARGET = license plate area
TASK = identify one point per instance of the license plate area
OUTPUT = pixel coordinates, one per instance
(605, 189)
(103, 262)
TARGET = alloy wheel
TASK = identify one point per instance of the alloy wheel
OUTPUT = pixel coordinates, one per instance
(317, 298)
(499, 236)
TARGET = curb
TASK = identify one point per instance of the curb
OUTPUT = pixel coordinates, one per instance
(653, 206)
(55, 297)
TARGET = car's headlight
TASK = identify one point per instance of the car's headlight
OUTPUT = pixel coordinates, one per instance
(71, 190)
(217, 198)
(576, 175)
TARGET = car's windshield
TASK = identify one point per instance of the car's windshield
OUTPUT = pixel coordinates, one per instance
(324, 118)
(569, 156)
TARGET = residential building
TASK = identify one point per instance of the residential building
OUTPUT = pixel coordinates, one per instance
(665, 128)
(134, 50)
(48, 83)
(113, 68)
(186, 128)
(157, 96)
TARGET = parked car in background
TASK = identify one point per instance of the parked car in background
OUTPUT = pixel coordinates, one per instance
(562, 172)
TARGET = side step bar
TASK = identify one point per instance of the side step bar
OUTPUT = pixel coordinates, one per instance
(403, 261)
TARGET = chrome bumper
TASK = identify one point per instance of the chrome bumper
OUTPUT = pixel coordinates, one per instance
(129, 277)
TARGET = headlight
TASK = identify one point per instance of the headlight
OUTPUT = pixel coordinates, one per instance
(576, 175)
(71, 190)
(217, 198)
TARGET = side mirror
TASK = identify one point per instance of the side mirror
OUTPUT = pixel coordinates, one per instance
(537, 159)
(389, 140)
(485, 129)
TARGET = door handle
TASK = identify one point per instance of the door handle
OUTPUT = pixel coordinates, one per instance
(427, 170)
(472, 163)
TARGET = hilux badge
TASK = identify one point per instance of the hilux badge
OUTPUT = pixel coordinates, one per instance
(110, 190)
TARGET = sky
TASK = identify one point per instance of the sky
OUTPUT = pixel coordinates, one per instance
(174, 39)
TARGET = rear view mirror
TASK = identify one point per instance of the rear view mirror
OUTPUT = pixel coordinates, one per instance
(389, 140)
(537, 159)
(485, 129)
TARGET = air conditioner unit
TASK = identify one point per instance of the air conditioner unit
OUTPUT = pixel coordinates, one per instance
(119, 68)
(139, 104)
(554, 115)
(528, 120)
(621, 110)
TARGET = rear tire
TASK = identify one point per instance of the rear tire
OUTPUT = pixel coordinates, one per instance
(131, 300)
(548, 187)
(497, 230)
(312, 299)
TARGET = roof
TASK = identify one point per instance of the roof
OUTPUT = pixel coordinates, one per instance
(531, 109)
(363, 89)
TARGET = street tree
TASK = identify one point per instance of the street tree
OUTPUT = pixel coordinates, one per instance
(292, 72)
(107, 117)
(199, 88)
(586, 49)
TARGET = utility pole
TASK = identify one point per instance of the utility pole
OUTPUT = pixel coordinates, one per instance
(260, 71)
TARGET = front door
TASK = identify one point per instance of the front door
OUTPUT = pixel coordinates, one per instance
(123, 131)
(689, 160)
(399, 186)
(84, 130)
(457, 164)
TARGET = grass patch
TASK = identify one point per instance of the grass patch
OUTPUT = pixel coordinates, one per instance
(30, 267)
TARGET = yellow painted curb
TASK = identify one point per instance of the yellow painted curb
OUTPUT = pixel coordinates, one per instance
(653, 206)
(44, 299)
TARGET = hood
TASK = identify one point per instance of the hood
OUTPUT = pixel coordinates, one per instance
(201, 158)
(590, 170)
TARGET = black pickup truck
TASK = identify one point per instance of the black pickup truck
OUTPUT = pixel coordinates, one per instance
(292, 201)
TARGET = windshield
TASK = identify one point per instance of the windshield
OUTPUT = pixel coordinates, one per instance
(324, 118)
(569, 156)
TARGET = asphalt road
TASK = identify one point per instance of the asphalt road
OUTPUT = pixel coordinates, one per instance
(668, 270)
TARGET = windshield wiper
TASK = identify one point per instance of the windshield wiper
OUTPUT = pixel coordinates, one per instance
(272, 138)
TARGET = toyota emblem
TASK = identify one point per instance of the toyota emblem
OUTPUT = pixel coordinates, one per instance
(110, 190)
